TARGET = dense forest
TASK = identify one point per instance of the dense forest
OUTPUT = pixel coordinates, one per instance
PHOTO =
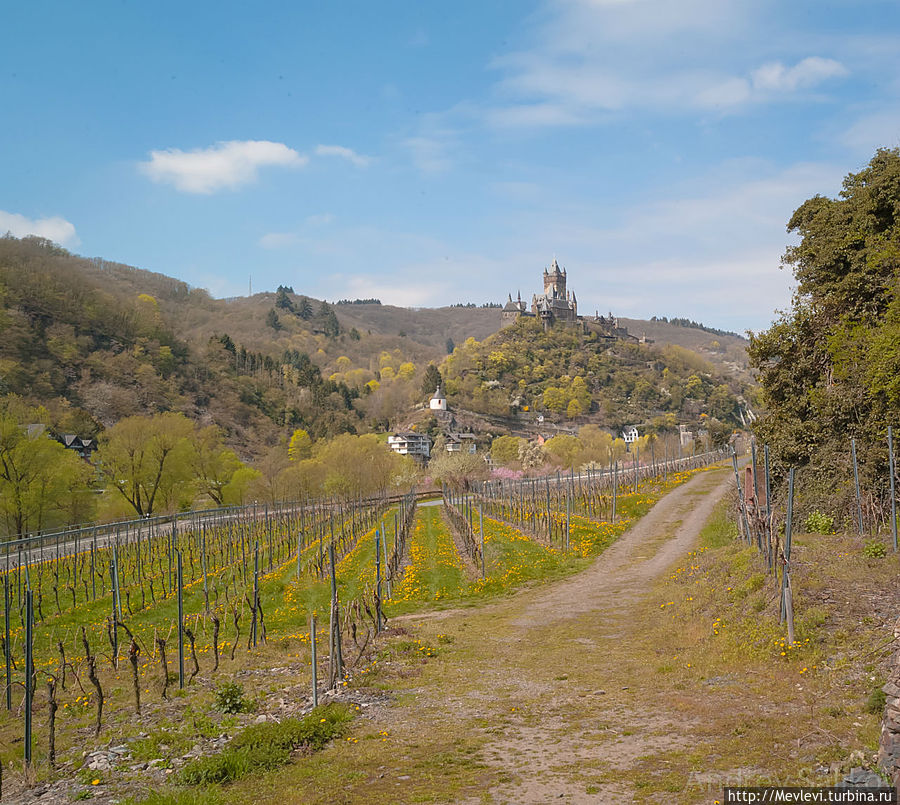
(830, 366)
(574, 374)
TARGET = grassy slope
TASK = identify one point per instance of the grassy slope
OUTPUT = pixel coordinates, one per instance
(704, 683)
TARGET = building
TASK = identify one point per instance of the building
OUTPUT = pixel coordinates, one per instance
(558, 305)
(417, 445)
(461, 443)
(630, 434)
(438, 401)
(84, 447)
(555, 304)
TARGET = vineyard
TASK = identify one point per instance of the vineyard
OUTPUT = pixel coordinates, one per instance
(106, 637)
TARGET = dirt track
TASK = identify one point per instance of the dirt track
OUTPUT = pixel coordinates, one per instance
(555, 670)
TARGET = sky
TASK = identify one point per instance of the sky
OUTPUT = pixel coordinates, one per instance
(433, 153)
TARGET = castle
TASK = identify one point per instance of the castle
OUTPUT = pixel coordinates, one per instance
(556, 304)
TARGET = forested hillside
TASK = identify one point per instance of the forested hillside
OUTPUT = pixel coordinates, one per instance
(76, 339)
(581, 376)
(830, 367)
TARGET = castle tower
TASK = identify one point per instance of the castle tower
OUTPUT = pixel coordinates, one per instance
(555, 281)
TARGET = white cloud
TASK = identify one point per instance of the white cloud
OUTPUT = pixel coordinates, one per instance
(278, 240)
(531, 115)
(807, 73)
(517, 191)
(349, 154)
(393, 290)
(710, 250)
(876, 130)
(57, 229)
(302, 236)
(319, 220)
(583, 58)
(430, 154)
(224, 165)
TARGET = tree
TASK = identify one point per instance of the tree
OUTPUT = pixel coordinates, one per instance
(212, 464)
(330, 324)
(431, 380)
(574, 409)
(564, 450)
(41, 482)
(300, 445)
(305, 311)
(555, 399)
(450, 346)
(237, 490)
(273, 321)
(505, 449)
(148, 460)
(828, 366)
(359, 466)
(457, 470)
(282, 300)
(531, 455)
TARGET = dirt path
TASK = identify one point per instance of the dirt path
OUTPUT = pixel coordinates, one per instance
(549, 661)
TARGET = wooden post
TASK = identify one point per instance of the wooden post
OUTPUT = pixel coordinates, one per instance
(890, 437)
(859, 514)
(180, 581)
(254, 627)
(615, 488)
(786, 594)
(337, 660)
(637, 467)
(7, 652)
(740, 493)
(384, 550)
(481, 529)
(377, 582)
(313, 660)
(769, 547)
(29, 671)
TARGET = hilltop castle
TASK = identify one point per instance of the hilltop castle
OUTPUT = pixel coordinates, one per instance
(557, 304)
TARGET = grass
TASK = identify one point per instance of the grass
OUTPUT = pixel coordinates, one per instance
(173, 727)
(268, 746)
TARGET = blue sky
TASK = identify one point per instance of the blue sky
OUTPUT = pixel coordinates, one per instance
(432, 153)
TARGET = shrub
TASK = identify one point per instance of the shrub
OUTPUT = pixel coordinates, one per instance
(268, 745)
(876, 701)
(230, 698)
(818, 523)
(874, 549)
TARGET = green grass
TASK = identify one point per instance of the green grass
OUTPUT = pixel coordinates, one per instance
(719, 529)
(268, 745)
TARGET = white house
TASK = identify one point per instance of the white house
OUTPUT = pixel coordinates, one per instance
(417, 445)
(630, 435)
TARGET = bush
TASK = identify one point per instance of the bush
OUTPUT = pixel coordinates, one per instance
(874, 549)
(876, 701)
(818, 523)
(268, 745)
(230, 698)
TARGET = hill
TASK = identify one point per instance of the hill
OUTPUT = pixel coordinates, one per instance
(566, 373)
(94, 341)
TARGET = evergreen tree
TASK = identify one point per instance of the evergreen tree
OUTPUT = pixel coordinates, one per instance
(272, 320)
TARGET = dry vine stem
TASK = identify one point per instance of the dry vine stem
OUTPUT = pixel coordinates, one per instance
(92, 675)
